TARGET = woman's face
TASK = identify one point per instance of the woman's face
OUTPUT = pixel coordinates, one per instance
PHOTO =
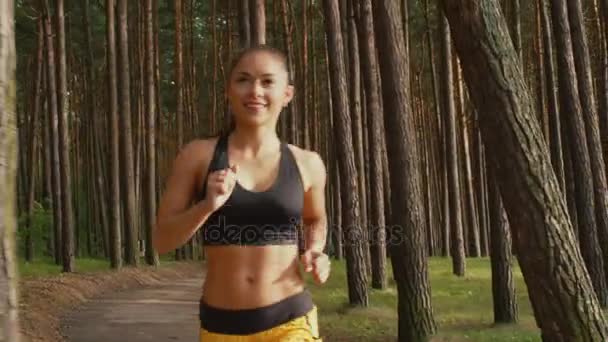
(258, 89)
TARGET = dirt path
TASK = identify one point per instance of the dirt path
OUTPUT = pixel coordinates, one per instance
(50, 306)
(165, 312)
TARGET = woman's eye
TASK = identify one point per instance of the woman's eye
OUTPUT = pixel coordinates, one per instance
(242, 79)
(268, 82)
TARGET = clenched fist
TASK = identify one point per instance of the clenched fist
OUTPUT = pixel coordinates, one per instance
(220, 185)
(318, 263)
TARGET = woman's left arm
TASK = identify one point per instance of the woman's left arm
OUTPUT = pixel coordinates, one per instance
(314, 214)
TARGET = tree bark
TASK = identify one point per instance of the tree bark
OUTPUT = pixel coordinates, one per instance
(473, 229)
(582, 63)
(435, 149)
(67, 213)
(32, 146)
(150, 138)
(375, 126)
(516, 27)
(555, 140)
(541, 79)
(257, 22)
(126, 151)
(604, 79)
(244, 26)
(214, 111)
(408, 254)
(354, 246)
(503, 289)
(179, 73)
(560, 289)
(451, 151)
(305, 114)
(115, 196)
(53, 120)
(47, 192)
(287, 40)
(579, 151)
(95, 128)
(354, 87)
(334, 189)
(8, 168)
(570, 191)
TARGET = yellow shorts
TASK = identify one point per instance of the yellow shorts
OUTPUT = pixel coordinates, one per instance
(305, 328)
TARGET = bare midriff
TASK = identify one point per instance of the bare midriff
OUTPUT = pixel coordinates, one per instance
(246, 277)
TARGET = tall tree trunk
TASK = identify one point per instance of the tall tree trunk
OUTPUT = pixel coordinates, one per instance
(408, 254)
(287, 39)
(555, 140)
(483, 193)
(53, 120)
(473, 227)
(548, 256)
(179, 84)
(451, 151)
(47, 189)
(503, 289)
(461, 159)
(570, 191)
(354, 246)
(604, 79)
(257, 21)
(405, 19)
(337, 232)
(115, 244)
(375, 126)
(516, 27)
(244, 25)
(64, 146)
(95, 127)
(305, 115)
(435, 134)
(150, 138)
(354, 88)
(579, 151)
(598, 169)
(541, 87)
(32, 147)
(8, 166)
(179, 73)
(126, 151)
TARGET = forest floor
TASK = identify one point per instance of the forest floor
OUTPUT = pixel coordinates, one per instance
(462, 307)
(161, 304)
(46, 300)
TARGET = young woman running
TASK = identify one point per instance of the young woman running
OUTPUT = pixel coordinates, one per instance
(249, 193)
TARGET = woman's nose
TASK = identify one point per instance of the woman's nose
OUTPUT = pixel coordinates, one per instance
(256, 88)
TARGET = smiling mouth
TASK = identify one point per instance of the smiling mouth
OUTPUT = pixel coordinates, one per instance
(256, 106)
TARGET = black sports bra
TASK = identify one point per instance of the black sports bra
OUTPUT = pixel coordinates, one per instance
(270, 217)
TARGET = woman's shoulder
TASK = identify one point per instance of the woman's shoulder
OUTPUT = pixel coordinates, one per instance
(305, 155)
(200, 145)
(310, 163)
(197, 151)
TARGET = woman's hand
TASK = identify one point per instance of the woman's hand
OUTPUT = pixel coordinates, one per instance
(318, 263)
(220, 185)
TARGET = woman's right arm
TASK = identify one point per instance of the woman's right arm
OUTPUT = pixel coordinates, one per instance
(175, 222)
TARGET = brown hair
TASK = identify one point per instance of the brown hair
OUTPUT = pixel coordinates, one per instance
(280, 55)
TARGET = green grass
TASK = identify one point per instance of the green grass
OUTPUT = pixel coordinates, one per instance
(45, 266)
(42, 267)
(462, 307)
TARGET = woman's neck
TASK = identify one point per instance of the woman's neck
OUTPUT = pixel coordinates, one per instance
(254, 141)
